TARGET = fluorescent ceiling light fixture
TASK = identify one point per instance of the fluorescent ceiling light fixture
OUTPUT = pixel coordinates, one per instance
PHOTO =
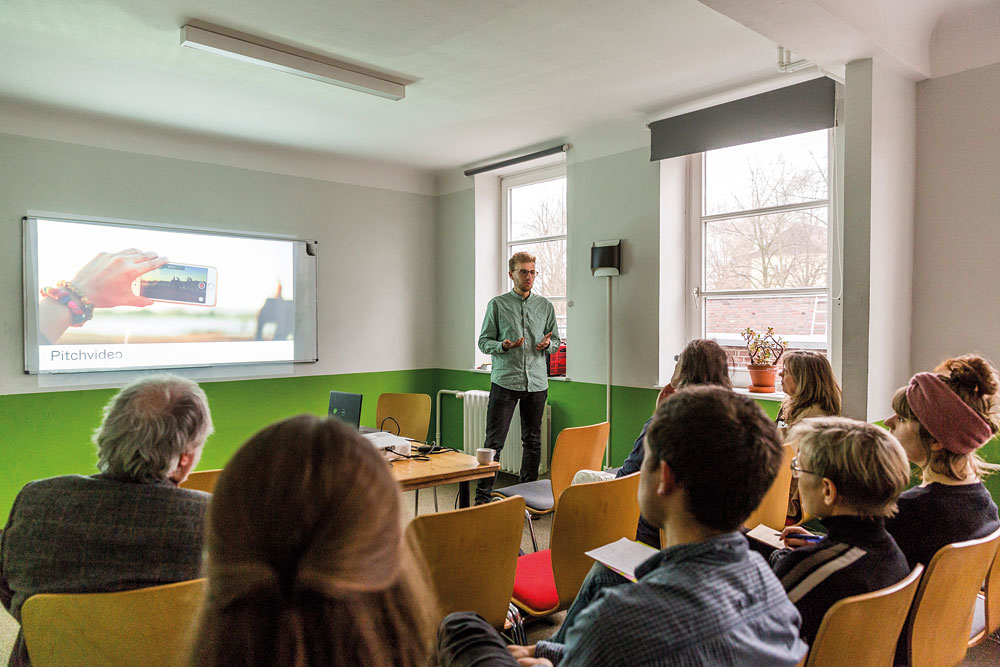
(260, 51)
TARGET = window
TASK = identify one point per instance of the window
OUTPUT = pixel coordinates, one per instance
(534, 221)
(760, 242)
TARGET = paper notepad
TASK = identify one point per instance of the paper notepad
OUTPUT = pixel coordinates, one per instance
(622, 556)
(767, 535)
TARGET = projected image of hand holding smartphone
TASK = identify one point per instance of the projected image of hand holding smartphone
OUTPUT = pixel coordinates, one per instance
(158, 303)
(105, 282)
(179, 283)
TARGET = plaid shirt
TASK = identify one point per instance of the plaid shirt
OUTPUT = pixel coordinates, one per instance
(713, 602)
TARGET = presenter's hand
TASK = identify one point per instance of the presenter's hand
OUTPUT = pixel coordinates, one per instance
(789, 533)
(508, 345)
(107, 279)
(525, 662)
(545, 342)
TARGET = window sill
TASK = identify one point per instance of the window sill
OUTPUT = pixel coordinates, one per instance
(776, 396)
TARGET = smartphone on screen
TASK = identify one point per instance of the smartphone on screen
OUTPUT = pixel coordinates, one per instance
(179, 283)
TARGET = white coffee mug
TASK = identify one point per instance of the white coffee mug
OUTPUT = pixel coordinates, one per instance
(484, 455)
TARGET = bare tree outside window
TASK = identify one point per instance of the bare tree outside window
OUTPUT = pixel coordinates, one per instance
(765, 209)
(536, 223)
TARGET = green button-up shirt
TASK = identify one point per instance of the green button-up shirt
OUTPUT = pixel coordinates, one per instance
(509, 317)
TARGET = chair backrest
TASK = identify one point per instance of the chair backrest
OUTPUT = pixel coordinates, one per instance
(590, 516)
(863, 629)
(471, 556)
(411, 412)
(148, 626)
(991, 601)
(941, 618)
(579, 448)
(774, 507)
(202, 480)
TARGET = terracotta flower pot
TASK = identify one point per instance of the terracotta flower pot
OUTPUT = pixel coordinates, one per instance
(762, 377)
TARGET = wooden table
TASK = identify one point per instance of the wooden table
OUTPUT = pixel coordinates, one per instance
(445, 468)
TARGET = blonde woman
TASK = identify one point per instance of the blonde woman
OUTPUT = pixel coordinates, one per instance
(306, 561)
(942, 419)
(850, 474)
(811, 390)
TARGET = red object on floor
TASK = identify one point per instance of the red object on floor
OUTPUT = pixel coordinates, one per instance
(534, 582)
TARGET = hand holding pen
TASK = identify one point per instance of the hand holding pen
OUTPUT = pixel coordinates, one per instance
(797, 536)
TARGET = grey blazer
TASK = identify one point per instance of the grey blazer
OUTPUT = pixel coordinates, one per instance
(77, 534)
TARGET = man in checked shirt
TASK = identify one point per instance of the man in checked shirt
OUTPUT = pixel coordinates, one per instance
(706, 598)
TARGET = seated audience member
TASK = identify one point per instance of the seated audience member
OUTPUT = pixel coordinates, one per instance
(129, 526)
(850, 474)
(702, 361)
(811, 391)
(306, 561)
(941, 419)
(705, 599)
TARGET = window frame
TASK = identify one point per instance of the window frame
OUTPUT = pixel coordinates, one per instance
(519, 179)
(695, 306)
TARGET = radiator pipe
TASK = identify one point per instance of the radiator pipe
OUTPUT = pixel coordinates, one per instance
(437, 421)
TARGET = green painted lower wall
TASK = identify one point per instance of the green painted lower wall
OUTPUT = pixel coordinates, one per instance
(48, 434)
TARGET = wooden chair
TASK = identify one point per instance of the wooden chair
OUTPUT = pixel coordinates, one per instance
(471, 555)
(148, 626)
(940, 621)
(580, 448)
(773, 508)
(202, 480)
(590, 515)
(986, 619)
(408, 416)
(862, 630)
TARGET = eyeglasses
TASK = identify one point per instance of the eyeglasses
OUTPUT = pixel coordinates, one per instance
(797, 470)
(525, 273)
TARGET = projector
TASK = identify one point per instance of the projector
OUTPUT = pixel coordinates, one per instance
(388, 444)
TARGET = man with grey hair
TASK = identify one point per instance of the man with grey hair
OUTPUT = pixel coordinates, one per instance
(130, 526)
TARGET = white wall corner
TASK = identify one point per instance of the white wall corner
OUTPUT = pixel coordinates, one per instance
(674, 287)
(486, 271)
(893, 175)
(856, 205)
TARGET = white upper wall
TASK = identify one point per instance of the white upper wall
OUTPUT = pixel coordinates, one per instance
(956, 240)
(376, 297)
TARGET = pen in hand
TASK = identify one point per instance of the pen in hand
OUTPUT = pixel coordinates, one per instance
(802, 536)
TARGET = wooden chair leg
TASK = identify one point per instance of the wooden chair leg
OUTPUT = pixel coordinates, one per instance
(416, 502)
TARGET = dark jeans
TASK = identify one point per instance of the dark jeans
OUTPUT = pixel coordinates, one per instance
(498, 415)
(465, 639)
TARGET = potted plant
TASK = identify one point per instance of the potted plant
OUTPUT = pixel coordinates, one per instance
(765, 351)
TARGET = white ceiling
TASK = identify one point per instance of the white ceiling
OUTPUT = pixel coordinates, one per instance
(492, 75)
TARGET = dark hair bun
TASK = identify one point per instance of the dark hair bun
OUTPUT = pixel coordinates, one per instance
(971, 373)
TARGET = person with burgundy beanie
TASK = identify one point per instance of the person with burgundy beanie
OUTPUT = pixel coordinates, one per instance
(942, 419)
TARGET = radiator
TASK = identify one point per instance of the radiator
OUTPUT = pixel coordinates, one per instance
(474, 432)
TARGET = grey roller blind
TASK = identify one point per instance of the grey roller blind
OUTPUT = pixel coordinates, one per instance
(803, 107)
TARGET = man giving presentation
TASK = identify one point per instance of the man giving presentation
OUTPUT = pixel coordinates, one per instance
(519, 328)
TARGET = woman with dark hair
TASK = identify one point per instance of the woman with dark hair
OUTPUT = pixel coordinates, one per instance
(702, 361)
(941, 419)
(306, 559)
